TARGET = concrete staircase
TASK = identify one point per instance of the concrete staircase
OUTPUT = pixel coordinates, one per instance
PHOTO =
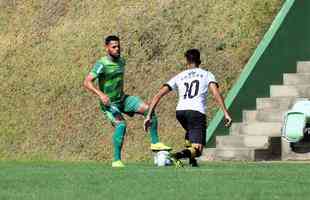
(258, 136)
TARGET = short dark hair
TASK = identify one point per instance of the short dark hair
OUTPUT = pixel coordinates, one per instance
(110, 38)
(193, 56)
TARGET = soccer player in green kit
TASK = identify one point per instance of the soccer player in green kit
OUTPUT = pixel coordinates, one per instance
(108, 72)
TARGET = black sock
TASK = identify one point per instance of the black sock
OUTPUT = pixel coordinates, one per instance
(193, 162)
(185, 153)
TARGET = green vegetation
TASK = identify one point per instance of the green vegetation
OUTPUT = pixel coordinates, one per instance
(47, 48)
(84, 180)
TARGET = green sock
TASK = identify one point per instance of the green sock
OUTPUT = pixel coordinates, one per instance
(153, 129)
(118, 137)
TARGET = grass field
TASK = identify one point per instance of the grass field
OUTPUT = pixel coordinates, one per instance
(93, 180)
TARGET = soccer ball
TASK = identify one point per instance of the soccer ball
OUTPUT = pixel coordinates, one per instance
(162, 158)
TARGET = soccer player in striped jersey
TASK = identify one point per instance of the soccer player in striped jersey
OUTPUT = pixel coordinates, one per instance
(108, 72)
(192, 86)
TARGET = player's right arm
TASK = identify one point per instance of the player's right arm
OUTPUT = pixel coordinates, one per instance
(89, 85)
(96, 71)
(162, 92)
(165, 89)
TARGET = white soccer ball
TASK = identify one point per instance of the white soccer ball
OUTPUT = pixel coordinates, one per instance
(155, 159)
(162, 158)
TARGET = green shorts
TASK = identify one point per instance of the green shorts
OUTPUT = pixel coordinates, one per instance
(129, 106)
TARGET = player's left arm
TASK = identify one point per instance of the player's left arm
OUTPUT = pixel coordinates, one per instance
(162, 92)
(213, 87)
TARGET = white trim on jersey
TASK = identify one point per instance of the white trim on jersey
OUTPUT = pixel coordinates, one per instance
(192, 88)
(99, 68)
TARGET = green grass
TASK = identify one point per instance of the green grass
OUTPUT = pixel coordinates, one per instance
(91, 180)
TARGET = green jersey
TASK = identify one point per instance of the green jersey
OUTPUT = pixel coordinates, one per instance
(110, 77)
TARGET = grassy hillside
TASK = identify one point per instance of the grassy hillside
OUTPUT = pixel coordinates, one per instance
(48, 46)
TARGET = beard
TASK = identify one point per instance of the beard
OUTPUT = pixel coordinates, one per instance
(115, 56)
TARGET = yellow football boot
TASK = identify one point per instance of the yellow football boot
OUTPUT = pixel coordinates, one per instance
(160, 147)
(117, 163)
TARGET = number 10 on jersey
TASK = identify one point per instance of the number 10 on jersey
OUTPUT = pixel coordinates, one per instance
(189, 93)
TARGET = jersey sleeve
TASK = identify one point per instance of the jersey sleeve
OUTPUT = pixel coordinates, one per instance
(98, 68)
(211, 79)
(172, 83)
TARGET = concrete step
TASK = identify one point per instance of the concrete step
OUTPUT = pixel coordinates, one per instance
(296, 79)
(235, 128)
(280, 103)
(249, 115)
(303, 67)
(266, 115)
(290, 90)
(233, 141)
(241, 154)
(257, 128)
(208, 154)
(272, 152)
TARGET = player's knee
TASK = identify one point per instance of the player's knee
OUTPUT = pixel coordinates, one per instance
(143, 108)
(146, 106)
